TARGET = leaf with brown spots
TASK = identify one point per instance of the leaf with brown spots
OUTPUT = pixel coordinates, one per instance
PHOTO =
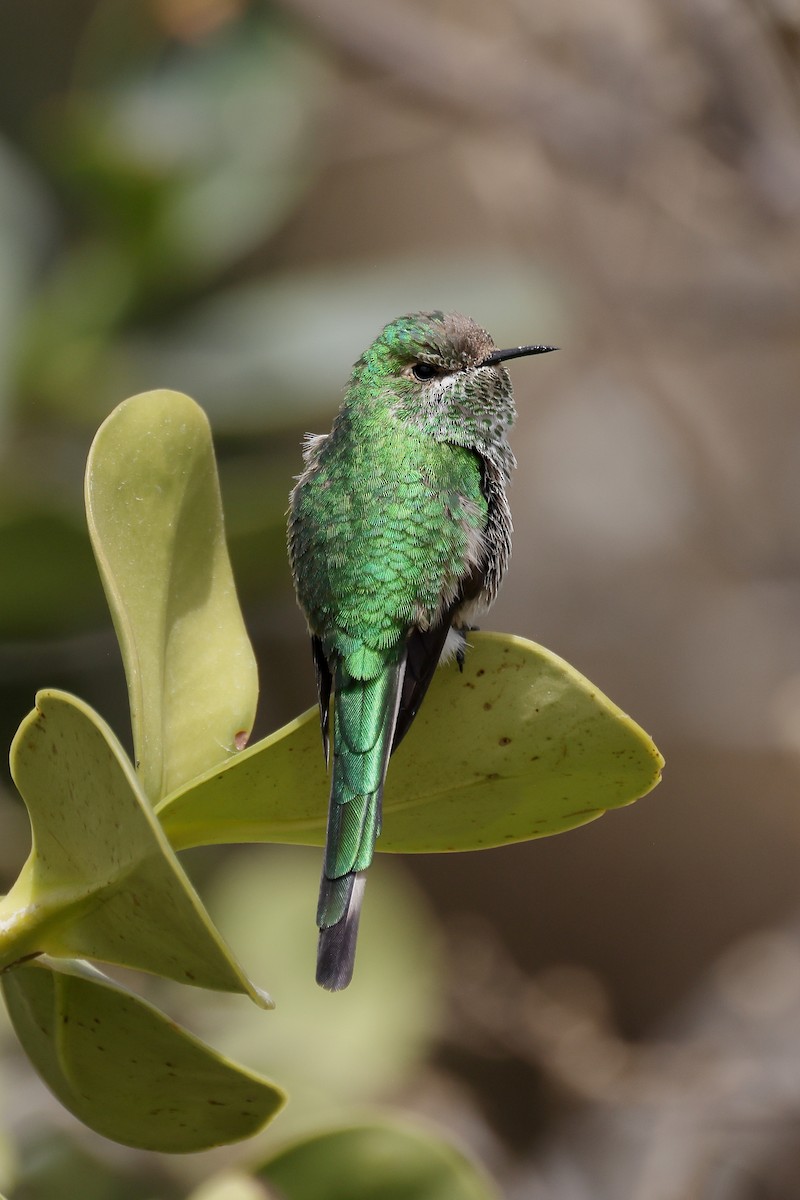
(520, 746)
(148, 1083)
(102, 881)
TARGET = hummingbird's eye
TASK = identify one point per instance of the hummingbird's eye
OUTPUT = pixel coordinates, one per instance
(423, 371)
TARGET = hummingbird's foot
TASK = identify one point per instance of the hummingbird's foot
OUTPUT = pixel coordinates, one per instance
(460, 651)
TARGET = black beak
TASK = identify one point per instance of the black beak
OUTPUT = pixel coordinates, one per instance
(515, 352)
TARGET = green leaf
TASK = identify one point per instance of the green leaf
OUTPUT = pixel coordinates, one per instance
(125, 1069)
(155, 519)
(101, 880)
(518, 746)
(385, 1160)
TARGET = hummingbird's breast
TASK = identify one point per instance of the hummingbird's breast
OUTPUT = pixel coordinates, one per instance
(384, 531)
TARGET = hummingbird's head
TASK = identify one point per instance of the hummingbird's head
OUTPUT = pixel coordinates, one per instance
(443, 373)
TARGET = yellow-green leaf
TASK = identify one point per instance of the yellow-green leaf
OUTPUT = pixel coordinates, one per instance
(125, 1069)
(518, 746)
(101, 880)
(155, 520)
(383, 1160)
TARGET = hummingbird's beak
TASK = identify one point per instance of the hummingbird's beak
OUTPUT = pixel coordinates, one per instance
(498, 356)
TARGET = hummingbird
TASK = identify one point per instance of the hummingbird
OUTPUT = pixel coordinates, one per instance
(399, 535)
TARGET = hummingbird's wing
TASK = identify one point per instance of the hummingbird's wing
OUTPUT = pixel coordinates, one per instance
(479, 584)
(324, 682)
(424, 650)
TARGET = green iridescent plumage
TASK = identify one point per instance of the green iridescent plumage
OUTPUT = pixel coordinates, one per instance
(399, 531)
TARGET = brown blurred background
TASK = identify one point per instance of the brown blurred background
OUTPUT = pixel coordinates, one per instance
(231, 199)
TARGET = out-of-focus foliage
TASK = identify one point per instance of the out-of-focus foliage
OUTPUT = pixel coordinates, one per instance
(382, 1161)
(621, 180)
(337, 1059)
(179, 160)
(168, 162)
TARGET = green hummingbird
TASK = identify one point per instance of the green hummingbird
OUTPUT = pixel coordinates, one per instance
(399, 535)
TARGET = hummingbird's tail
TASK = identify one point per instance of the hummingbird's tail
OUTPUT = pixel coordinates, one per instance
(336, 951)
(364, 717)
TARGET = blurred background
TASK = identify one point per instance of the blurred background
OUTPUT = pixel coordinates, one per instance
(230, 198)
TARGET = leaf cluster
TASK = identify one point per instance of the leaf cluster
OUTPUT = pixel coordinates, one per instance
(518, 746)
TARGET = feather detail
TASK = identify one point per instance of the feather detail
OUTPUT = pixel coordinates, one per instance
(323, 674)
(336, 952)
(364, 720)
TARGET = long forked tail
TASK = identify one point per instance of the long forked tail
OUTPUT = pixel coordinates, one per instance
(364, 716)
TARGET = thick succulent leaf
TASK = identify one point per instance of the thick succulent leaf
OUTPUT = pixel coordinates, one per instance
(518, 746)
(380, 1161)
(155, 519)
(101, 880)
(125, 1069)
